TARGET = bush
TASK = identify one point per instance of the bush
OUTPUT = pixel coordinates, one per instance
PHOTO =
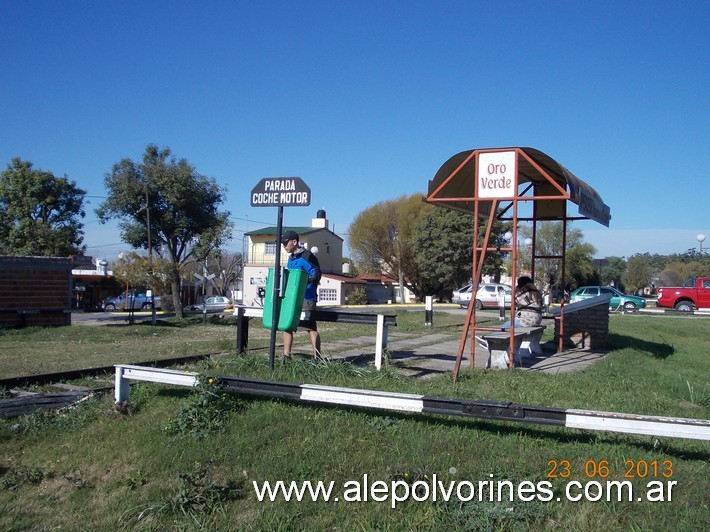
(357, 297)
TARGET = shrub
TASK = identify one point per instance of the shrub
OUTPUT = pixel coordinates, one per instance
(357, 297)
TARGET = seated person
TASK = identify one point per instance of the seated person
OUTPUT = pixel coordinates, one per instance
(528, 303)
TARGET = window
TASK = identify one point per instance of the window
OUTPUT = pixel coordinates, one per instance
(328, 294)
(270, 248)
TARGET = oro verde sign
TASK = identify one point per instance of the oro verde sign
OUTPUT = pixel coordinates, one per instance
(497, 174)
(281, 192)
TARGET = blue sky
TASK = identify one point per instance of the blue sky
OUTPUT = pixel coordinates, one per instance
(366, 100)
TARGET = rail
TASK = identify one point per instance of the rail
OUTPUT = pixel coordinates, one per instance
(697, 429)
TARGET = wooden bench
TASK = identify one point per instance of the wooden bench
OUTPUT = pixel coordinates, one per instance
(382, 321)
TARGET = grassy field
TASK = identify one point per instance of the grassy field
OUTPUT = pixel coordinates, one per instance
(187, 460)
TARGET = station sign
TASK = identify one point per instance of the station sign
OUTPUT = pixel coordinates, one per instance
(281, 192)
(497, 177)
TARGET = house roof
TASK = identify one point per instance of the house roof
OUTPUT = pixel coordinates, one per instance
(344, 279)
(271, 231)
(377, 277)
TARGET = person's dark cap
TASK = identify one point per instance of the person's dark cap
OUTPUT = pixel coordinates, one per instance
(288, 236)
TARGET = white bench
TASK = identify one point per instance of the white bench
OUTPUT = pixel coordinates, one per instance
(498, 345)
(530, 345)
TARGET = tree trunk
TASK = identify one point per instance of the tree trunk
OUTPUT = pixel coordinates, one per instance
(177, 295)
(401, 286)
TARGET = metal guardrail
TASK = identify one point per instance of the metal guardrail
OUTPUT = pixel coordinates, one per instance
(658, 426)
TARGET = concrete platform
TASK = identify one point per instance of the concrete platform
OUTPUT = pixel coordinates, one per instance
(422, 356)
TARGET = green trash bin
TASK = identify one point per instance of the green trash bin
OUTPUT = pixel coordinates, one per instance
(291, 303)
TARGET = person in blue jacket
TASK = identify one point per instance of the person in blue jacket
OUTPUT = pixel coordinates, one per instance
(300, 258)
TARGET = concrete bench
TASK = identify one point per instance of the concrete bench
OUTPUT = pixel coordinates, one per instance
(530, 345)
(382, 321)
(498, 345)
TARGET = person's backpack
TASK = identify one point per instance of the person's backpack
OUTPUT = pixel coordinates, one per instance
(310, 257)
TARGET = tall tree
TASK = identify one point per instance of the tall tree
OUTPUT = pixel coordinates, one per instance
(578, 255)
(638, 272)
(181, 205)
(380, 239)
(226, 267)
(579, 262)
(613, 272)
(444, 245)
(670, 276)
(39, 212)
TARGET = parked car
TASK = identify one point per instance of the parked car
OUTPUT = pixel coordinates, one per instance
(694, 294)
(486, 297)
(136, 301)
(213, 303)
(461, 294)
(618, 299)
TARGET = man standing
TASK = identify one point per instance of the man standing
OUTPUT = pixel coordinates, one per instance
(302, 259)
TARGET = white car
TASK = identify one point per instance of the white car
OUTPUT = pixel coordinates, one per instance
(486, 297)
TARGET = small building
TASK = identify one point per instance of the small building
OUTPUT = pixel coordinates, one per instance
(336, 289)
(35, 291)
(383, 289)
(92, 282)
(260, 254)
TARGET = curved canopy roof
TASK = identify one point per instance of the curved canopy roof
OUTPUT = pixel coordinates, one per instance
(455, 186)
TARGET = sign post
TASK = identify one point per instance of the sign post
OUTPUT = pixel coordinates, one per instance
(203, 280)
(279, 192)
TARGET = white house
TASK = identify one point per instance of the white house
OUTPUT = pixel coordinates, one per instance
(334, 287)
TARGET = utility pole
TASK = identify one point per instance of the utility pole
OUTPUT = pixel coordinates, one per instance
(150, 255)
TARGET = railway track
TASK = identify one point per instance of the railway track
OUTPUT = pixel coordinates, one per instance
(23, 401)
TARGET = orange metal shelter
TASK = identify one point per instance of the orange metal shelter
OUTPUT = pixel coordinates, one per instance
(491, 183)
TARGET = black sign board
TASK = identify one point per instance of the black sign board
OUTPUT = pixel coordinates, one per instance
(281, 192)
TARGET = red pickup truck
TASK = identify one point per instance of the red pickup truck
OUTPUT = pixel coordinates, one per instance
(694, 294)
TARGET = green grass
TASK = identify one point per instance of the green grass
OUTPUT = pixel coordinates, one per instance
(37, 350)
(185, 460)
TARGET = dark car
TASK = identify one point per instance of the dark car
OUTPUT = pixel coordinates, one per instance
(136, 301)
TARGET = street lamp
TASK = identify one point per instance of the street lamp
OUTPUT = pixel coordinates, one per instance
(701, 239)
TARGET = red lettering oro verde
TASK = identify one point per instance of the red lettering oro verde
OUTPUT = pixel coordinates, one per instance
(497, 183)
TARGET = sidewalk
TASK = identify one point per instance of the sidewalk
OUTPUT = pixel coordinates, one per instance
(422, 356)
